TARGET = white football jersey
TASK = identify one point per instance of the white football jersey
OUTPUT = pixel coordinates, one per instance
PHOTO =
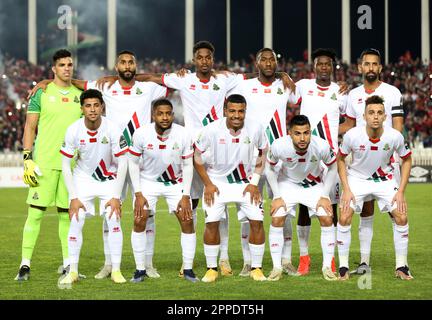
(129, 107)
(323, 106)
(266, 106)
(202, 101)
(95, 149)
(232, 154)
(162, 157)
(301, 168)
(372, 158)
(391, 95)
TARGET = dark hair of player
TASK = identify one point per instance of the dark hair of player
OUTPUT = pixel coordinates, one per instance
(59, 54)
(327, 52)
(161, 102)
(371, 51)
(258, 54)
(126, 52)
(203, 44)
(235, 98)
(374, 100)
(89, 94)
(299, 120)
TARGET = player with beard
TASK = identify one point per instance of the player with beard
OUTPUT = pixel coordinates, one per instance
(370, 67)
(128, 104)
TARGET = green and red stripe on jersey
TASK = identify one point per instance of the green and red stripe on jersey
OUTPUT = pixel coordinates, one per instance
(101, 173)
(210, 117)
(131, 127)
(310, 181)
(274, 129)
(238, 175)
(322, 130)
(168, 177)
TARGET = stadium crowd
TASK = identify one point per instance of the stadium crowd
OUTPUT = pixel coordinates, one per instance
(409, 75)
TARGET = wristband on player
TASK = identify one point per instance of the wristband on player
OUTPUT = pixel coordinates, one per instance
(27, 155)
(255, 179)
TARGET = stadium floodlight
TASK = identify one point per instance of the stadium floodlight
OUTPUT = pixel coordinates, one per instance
(4, 76)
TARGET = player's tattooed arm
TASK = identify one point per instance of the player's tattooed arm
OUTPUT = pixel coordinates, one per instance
(209, 188)
(347, 195)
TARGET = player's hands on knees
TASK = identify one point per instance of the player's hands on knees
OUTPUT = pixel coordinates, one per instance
(209, 191)
(288, 83)
(347, 197)
(399, 198)
(115, 205)
(100, 83)
(40, 85)
(140, 206)
(255, 196)
(31, 173)
(325, 203)
(343, 87)
(276, 205)
(74, 207)
(184, 208)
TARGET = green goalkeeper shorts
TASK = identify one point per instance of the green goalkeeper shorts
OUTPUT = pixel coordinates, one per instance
(51, 192)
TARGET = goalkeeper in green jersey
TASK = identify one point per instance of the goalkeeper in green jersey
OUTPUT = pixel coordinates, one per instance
(50, 112)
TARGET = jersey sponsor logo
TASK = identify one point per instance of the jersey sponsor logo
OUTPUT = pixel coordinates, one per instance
(104, 140)
(254, 90)
(222, 141)
(210, 117)
(215, 87)
(122, 142)
(76, 100)
(274, 129)
(192, 87)
(168, 177)
(289, 159)
(131, 127)
(114, 93)
(138, 91)
(149, 146)
(279, 91)
(238, 175)
(360, 100)
(362, 147)
(82, 142)
(310, 93)
(116, 229)
(74, 239)
(102, 174)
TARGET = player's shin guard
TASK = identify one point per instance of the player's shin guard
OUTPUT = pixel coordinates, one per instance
(327, 245)
(138, 240)
(150, 240)
(257, 254)
(287, 235)
(365, 238)
(400, 237)
(30, 234)
(105, 232)
(211, 253)
(224, 237)
(188, 244)
(75, 240)
(303, 233)
(63, 231)
(115, 240)
(244, 234)
(344, 242)
(276, 241)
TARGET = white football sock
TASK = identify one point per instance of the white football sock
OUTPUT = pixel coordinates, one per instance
(75, 239)
(211, 252)
(138, 240)
(276, 241)
(105, 231)
(400, 237)
(344, 242)
(244, 234)
(365, 238)
(115, 239)
(257, 254)
(287, 235)
(327, 245)
(303, 238)
(150, 241)
(188, 244)
(224, 237)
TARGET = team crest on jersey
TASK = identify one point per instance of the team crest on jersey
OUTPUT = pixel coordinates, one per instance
(35, 196)
(105, 140)
(215, 87)
(76, 100)
(333, 97)
(176, 146)
(313, 159)
(279, 91)
(138, 91)
(122, 142)
(386, 147)
(247, 140)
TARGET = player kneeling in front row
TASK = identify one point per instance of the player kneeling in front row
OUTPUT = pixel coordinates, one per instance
(100, 172)
(166, 150)
(231, 144)
(371, 175)
(299, 182)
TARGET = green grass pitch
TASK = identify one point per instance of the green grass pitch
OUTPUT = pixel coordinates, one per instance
(167, 259)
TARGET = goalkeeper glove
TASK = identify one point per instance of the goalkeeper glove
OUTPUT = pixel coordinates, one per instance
(31, 170)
